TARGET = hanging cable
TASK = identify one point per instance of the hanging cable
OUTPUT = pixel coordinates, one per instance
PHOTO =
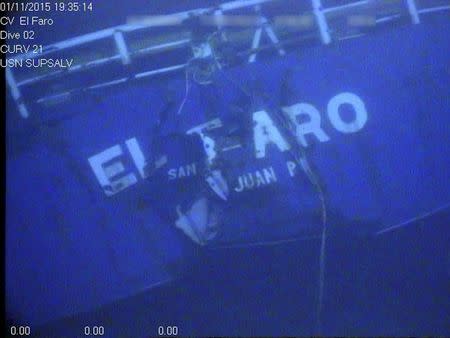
(187, 86)
(322, 257)
(300, 157)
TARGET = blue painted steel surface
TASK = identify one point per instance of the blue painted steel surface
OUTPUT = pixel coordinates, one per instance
(70, 247)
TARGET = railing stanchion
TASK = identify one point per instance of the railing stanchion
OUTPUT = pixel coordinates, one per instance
(321, 21)
(15, 93)
(255, 44)
(264, 26)
(412, 8)
(272, 36)
(122, 47)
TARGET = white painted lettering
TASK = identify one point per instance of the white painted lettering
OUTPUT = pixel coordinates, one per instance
(172, 174)
(291, 167)
(358, 107)
(269, 174)
(105, 174)
(136, 154)
(191, 169)
(208, 143)
(265, 133)
(310, 127)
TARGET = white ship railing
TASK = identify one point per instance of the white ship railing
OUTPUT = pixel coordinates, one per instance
(125, 54)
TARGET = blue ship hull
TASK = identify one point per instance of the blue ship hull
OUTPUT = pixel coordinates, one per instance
(376, 130)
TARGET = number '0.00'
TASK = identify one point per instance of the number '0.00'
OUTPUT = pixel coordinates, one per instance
(94, 331)
(20, 330)
(167, 330)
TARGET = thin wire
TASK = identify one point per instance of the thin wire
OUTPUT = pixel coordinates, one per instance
(412, 220)
(263, 243)
(323, 242)
(301, 158)
(186, 93)
(303, 161)
(322, 265)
